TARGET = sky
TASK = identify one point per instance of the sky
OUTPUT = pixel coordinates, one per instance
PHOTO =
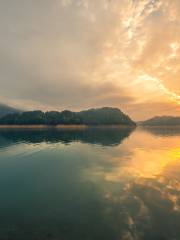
(79, 54)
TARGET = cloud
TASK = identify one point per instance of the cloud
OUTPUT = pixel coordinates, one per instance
(79, 54)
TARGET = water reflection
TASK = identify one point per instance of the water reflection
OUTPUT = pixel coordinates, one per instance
(102, 136)
(163, 131)
(130, 191)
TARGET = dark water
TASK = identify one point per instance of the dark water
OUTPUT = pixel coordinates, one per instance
(95, 184)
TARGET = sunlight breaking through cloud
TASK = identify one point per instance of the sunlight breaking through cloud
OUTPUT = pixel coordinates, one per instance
(65, 53)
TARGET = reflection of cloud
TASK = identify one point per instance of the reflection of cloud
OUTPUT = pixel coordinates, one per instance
(85, 191)
(133, 161)
(144, 208)
(142, 184)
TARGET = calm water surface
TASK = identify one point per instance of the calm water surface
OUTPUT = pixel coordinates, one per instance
(95, 184)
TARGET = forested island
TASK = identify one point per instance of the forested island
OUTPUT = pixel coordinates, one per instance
(100, 116)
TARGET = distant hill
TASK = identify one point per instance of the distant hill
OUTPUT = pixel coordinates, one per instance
(4, 110)
(100, 116)
(162, 121)
(105, 115)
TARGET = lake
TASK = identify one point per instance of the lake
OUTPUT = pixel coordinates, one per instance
(90, 184)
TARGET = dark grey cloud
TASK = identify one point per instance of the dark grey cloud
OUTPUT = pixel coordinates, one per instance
(45, 47)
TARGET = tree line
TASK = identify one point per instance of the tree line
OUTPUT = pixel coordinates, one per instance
(88, 117)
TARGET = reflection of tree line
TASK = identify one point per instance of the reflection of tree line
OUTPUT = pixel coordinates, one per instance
(102, 136)
(163, 131)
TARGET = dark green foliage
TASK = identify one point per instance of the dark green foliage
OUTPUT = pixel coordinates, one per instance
(34, 117)
(11, 118)
(106, 116)
(68, 117)
(162, 121)
(52, 118)
(4, 110)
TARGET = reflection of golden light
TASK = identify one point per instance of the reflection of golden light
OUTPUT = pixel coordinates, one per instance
(143, 156)
(144, 169)
(150, 157)
(146, 164)
(151, 164)
(176, 153)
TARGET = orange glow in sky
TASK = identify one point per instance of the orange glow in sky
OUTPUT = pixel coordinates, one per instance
(80, 54)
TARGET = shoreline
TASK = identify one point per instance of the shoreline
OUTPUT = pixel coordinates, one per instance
(63, 126)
